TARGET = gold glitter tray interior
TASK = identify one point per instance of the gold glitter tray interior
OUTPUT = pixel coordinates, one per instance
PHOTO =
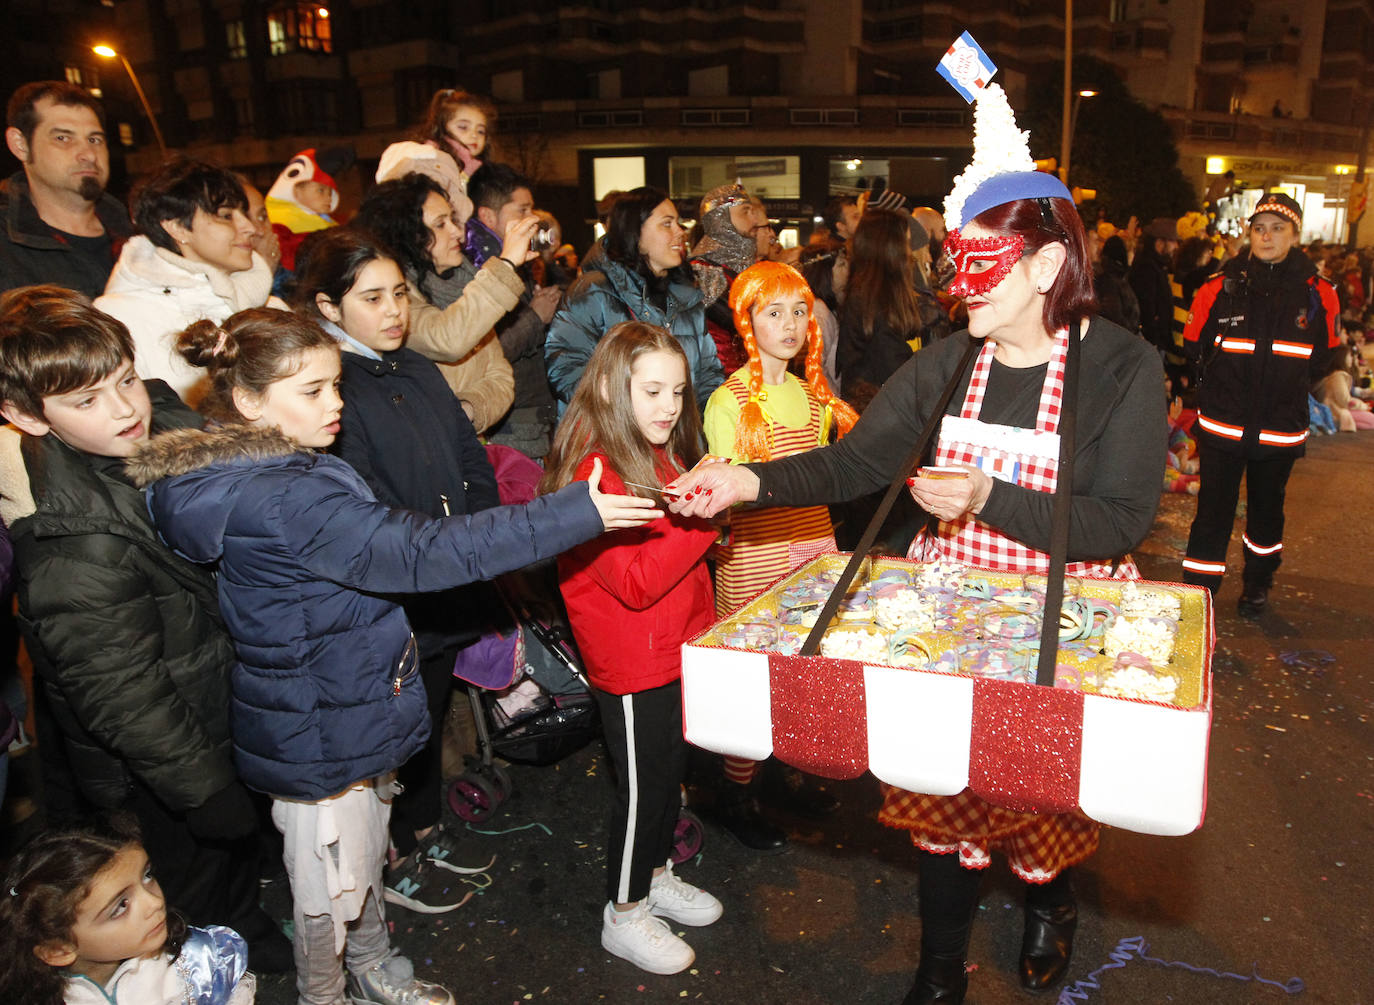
(1190, 662)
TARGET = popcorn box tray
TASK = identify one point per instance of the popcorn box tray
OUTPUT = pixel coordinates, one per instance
(1131, 763)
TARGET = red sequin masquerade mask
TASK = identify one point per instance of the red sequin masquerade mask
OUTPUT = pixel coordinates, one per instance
(981, 262)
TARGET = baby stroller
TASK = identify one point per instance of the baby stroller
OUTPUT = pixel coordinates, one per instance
(530, 703)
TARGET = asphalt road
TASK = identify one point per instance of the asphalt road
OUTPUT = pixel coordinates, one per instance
(1276, 882)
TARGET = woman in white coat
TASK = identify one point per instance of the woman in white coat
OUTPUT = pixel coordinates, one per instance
(192, 258)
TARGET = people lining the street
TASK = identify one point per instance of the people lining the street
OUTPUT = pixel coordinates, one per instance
(327, 694)
(448, 339)
(124, 634)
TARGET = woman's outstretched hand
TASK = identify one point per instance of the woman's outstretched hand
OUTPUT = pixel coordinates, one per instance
(950, 498)
(619, 512)
(713, 485)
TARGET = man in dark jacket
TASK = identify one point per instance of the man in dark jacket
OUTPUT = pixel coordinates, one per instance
(500, 196)
(1262, 330)
(125, 636)
(57, 225)
(1149, 278)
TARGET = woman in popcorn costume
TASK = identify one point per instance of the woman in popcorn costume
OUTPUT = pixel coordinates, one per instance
(1024, 274)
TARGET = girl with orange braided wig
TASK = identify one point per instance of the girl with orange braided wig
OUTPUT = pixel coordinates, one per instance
(760, 285)
(762, 412)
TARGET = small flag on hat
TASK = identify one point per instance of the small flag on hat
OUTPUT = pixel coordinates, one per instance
(966, 66)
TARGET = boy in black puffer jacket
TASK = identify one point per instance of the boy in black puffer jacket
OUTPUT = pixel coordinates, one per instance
(124, 635)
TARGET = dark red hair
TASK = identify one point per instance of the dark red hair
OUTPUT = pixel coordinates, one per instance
(1071, 297)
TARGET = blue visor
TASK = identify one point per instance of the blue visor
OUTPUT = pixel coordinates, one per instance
(1004, 188)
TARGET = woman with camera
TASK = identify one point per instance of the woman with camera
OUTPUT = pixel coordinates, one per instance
(453, 307)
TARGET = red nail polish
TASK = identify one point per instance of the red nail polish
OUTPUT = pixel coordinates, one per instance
(708, 491)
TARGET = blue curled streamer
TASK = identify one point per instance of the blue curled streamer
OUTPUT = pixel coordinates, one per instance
(1134, 947)
(1308, 659)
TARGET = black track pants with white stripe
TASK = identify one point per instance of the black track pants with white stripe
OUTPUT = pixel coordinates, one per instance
(644, 737)
(1219, 475)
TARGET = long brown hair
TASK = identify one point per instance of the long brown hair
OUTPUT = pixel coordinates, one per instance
(760, 284)
(600, 417)
(882, 275)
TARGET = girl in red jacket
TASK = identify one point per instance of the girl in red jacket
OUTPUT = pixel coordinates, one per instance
(633, 599)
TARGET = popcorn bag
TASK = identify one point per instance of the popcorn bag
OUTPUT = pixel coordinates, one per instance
(946, 700)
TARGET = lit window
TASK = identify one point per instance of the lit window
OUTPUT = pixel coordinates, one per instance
(298, 26)
(236, 40)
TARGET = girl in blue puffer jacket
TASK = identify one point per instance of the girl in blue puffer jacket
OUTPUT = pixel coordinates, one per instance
(327, 703)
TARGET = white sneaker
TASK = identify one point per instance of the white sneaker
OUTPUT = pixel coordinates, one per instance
(644, 940)
(675, 898)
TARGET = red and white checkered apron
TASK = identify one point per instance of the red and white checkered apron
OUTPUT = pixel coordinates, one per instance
(1025, 457)
(1038, 846)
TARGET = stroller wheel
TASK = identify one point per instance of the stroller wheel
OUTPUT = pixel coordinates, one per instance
(473, 798)
(502, 782)
(688, 837)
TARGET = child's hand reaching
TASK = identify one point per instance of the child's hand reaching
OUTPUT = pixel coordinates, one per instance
(619, 512)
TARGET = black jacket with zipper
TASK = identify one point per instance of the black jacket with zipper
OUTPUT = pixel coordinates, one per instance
(1263, 333)
(125, 635)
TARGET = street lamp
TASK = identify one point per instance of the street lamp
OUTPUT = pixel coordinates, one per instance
(1073, 127)
(108, 52)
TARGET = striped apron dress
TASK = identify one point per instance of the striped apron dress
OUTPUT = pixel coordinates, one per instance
(1038, 846)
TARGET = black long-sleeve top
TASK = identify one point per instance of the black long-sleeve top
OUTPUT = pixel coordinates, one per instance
(1119, 459)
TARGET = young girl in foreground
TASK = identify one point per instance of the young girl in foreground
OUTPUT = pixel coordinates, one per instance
(327, 701)
(83, 922)
(633, 598)
(762, 412)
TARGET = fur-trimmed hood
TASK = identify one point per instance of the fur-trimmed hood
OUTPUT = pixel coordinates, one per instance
(185, 450)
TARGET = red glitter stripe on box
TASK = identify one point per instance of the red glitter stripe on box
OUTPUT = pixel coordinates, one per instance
(820, 723)
(1026, 746)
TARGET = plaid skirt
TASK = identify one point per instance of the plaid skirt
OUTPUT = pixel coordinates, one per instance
(1038, 845)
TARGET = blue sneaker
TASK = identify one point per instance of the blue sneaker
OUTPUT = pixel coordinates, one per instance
(411, 883)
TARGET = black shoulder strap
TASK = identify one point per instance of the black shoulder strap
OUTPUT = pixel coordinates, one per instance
(1059, 518)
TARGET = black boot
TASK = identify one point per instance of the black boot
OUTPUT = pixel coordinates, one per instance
(1254, 598)
(938, 979)
(1047, 945)
(738, 812)
(788, 789)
